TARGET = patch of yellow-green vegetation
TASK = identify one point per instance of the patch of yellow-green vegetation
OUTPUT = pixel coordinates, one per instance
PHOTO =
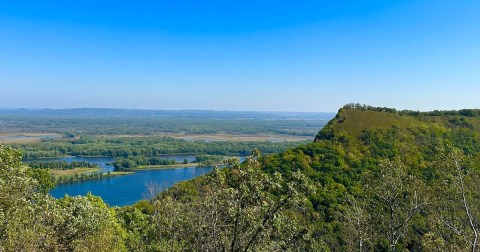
(472, 123)
(70, 172)
(476, 123)
(120, 173)
(354, 121)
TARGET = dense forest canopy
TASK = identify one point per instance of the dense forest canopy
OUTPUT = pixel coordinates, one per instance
(145, 146)
(373, 180)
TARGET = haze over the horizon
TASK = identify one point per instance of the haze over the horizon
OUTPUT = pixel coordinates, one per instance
(249, 55)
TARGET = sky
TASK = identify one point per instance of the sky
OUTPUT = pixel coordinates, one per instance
(262, 55)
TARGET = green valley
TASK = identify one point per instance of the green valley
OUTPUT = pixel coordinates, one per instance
(374, 179)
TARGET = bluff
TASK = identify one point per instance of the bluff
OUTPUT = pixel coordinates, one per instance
(364, 152)
(352, 119)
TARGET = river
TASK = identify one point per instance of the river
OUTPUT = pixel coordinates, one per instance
(128, 189)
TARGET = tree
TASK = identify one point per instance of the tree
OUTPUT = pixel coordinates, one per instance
(458, 201)
(27, 214)
(395, 200)
(357, 219)
(238, 208)
(89, 225)
(31, 220)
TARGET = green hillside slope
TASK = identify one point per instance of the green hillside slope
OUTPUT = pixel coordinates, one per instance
(352, 121)
(351, 158)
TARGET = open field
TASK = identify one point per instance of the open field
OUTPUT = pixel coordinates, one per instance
(70, 172)
(22, 138)
(239, 137)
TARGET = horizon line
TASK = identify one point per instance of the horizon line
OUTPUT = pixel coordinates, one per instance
(158, 109)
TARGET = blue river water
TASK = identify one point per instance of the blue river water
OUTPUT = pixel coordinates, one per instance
(128, 189)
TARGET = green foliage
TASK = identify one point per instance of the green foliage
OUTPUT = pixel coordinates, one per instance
(456, 195)
(208, 160)
(153, 146)
(462, 112)
(31, 220)
(132, 162)
(89, 225)
(82, 177)
(140, 235)
(17, 192)
(45, 181)
(367, 160)
(238, 208)
(124, 163)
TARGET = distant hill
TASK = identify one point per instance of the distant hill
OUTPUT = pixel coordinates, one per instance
(98, 121)
(203, 114)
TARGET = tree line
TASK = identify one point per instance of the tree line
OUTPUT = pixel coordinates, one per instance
(133, 162)
(145, 146)
(82, 177)
(461, 112)
(122, 163)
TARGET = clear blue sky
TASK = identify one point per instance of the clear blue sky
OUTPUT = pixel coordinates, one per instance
(240, 55)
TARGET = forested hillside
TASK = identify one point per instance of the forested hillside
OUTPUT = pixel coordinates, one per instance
(374, 179)
(392, 180)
